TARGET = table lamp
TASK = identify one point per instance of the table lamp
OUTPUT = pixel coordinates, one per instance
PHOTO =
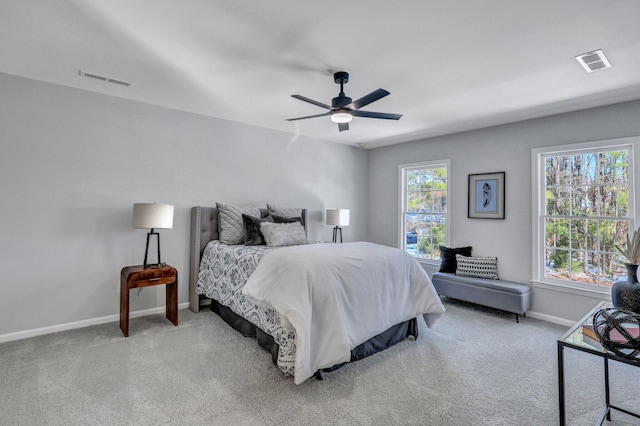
(152, 216)
(339, 218)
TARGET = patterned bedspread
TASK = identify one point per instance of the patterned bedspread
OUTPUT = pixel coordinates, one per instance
(224, 270)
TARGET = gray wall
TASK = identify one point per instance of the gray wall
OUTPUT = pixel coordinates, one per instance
(72, 163)
(504, 148)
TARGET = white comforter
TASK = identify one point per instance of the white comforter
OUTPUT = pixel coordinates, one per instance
(337, 296)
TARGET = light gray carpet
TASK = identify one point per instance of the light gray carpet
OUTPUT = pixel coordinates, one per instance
(476, 367)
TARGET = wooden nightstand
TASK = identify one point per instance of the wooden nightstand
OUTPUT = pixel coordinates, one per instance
(136, 277)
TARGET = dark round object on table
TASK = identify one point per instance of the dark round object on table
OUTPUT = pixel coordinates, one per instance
(617, 330)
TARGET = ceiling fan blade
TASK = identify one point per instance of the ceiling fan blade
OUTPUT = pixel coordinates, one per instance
(309, 116)
(371, 97)
(311, 101)
(343, 126)
(371, 114)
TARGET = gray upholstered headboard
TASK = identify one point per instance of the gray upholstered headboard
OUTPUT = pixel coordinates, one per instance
(204, 228)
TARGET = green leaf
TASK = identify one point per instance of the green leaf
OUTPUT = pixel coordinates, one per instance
(632, 251)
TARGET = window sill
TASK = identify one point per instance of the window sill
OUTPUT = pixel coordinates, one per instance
(428, 263)
(595, 293)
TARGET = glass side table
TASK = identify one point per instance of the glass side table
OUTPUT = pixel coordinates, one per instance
(574, 338)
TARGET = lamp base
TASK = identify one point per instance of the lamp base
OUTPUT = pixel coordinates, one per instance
(146, 251)
(335, 234)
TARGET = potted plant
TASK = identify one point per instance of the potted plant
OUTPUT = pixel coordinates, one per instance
(626, 294)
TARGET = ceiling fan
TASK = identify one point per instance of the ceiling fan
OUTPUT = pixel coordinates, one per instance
(343, 109)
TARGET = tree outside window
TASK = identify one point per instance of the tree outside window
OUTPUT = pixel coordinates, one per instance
(586, 213)
(424, 209)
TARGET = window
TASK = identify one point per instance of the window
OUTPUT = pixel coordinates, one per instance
(423, 208)
(585, 205)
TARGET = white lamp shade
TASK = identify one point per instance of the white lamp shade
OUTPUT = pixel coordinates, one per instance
(338, 217)
(152, 215)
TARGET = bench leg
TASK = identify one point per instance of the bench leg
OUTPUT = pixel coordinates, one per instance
(524, 314)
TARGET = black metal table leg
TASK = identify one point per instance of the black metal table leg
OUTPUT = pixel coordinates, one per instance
(606, 411)
(561, 382)
(606, 387)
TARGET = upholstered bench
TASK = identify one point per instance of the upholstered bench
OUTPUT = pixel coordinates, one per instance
(505, 295)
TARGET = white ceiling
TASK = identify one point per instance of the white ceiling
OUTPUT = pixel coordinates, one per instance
(450, 65)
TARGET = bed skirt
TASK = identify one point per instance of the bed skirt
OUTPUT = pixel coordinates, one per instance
(384, 340)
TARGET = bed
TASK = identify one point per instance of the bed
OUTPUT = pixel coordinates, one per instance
(314, 307)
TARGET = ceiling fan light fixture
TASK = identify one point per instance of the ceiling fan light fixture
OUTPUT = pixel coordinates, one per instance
(341, 116)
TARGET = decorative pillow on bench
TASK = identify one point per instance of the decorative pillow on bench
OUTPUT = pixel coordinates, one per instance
(478, 267)
(448, 258)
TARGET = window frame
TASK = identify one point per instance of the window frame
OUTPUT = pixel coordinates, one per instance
(402, 172)
(538, 209)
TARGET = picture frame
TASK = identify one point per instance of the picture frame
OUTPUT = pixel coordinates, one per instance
(486, 196)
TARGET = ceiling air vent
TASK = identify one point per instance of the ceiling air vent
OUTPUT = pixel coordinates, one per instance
(103, 78)
(593, 61)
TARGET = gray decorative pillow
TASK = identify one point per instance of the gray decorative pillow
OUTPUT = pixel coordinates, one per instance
(479, 267)
(230, 223)
(284, 212)
(283, 234)
(252, 234)
(282, 219)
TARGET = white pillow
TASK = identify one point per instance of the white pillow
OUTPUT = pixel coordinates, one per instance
(283, 234)
(479, 267)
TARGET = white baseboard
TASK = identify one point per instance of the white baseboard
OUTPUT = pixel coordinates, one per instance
(549, 318)
(159, 310)
(84, 323)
